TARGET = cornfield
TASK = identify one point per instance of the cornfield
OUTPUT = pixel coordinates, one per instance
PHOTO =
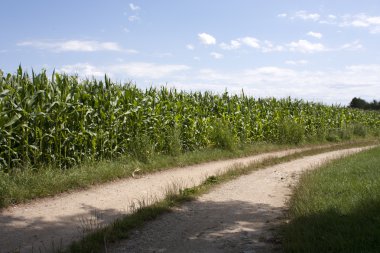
(63, 120)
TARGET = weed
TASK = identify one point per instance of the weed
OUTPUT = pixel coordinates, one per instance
(290, 132)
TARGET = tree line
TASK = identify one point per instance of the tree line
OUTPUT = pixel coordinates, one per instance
(362, 104)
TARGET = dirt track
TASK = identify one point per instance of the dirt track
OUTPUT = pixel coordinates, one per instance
(241, 207)
(239, 216)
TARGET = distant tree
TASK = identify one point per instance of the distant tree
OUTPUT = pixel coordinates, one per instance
(358, 103)
(362, 104)
(375, 105)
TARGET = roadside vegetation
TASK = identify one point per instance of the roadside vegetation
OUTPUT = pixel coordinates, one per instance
(99, 238)
(336, 208)
(63, 121)
(63, 133)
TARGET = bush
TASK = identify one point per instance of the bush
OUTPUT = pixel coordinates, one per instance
(290, 132)
(338, 134)
(222, 137)
(142, 148)
(4, 191)
(359, 130)
(173, 141)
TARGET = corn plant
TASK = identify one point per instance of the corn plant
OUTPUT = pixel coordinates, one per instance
(63, 120)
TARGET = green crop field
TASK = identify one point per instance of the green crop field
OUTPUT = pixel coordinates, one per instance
(62, 120)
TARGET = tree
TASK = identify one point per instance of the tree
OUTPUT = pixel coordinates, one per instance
(358, 103)
(364, 105)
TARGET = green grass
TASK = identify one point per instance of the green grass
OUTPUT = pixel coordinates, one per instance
(337, 207)
(120, 229)
(24, 185)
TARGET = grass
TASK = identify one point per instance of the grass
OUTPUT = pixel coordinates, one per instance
(97, 241)
(24, 185)
(337, 207)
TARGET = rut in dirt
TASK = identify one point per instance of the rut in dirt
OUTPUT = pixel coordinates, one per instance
(242, 215)
(52, 223)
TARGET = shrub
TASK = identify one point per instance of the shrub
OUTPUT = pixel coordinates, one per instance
(290, 132)
(222, 137)
(359, 130)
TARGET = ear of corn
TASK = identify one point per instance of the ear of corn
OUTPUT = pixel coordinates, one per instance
(63, 121)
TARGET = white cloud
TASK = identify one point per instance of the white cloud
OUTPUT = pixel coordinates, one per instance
(212, 75)
(306, 15)
(334, 86)
(234, 44)
(126, 70)
(269, 46)
(282, 15)
(352, 46)
(216, 55)
(237, 43)
(315, 34)
(361, 20)
(266, 46)
(73, 45)
(251, 42)
(190, 47)
(296, 63)
(131, 51)
(330, 86)
(133, 18)
(372, 23)
(83, 69)
(134, 7)
(206, 39)
(304, 46)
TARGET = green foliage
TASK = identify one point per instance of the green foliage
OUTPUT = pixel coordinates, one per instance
(173, 145)
(339, 134)
(359, 130)
(336, 208)
(222, 137)
(142, 148)
(290, 132)
(62, 121)
(362, 104)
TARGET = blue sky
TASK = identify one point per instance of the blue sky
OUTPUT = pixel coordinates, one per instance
(325, 51)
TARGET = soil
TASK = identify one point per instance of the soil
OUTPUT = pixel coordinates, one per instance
(243, 215)
(236, 217)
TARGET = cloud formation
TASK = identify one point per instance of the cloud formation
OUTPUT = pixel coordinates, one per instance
(305, 15)
(315, 35)
(296, 63)
(126, 70)
(216, 55)
(72, 45)
(360, 20)
(134, 7)
(304, 46)
(206, 39)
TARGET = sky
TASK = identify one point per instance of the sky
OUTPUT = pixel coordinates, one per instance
(318, 50)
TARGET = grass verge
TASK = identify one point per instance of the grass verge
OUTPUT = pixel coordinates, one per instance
(336, 208)
(23, 185)
(97, 241)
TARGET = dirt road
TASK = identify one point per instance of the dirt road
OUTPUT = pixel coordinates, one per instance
(53, 223)
(239, 216)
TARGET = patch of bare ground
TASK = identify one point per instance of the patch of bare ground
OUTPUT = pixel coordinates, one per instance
(239, 216)
(53, 223)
